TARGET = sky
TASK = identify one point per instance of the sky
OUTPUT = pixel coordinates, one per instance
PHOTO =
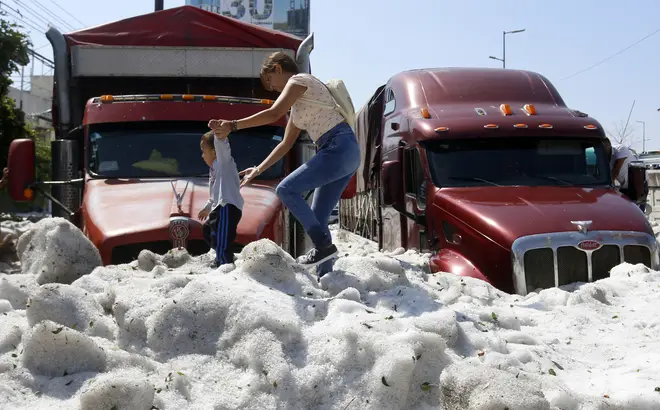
(365, 42)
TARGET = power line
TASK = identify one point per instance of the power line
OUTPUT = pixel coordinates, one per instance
(18, 16)
(70, 15)
(53, 15)
(42, 46)
(39, 18)
(612, 56)
(47, 20)
(41, 58)
(10, 11)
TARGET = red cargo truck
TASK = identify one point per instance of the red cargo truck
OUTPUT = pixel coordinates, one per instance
(131, 101)
(490, 171)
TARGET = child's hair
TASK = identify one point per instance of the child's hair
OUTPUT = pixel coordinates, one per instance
(207, 139)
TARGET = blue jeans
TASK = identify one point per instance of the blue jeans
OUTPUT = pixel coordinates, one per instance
(328, 173)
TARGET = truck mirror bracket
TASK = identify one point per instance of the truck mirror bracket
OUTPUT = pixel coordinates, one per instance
(37, 186)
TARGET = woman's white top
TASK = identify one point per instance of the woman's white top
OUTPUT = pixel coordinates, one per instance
(315, 119)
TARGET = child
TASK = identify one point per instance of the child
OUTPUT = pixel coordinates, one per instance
(225, 205)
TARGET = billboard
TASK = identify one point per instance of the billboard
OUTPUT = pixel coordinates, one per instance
(290, 16)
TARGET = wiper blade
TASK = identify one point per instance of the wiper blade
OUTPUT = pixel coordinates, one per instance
(474, 179)
(561, 181)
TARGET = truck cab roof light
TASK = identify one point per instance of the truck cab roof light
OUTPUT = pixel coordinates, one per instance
(546, 126)
(182, 97)
(425, 113)
(441, 129)
(491, 126)
(520, 126)
(28, 193)
(506, 109)
(590, 127)
(529, 109)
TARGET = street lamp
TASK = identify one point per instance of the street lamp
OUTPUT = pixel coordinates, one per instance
(503, 59)
(643, 135)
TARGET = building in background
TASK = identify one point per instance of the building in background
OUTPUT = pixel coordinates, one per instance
(289, 16)
(36, 102)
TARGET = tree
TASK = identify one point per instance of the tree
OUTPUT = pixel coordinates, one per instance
(14, 53)
(620, 134)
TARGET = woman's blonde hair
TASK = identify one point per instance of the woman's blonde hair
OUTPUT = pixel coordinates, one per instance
(278, 58)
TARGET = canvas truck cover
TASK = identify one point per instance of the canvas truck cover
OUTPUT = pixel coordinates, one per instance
(185, 26)
(368, 123)
(183, 42)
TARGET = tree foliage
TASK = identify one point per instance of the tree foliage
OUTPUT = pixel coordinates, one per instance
(14, 53)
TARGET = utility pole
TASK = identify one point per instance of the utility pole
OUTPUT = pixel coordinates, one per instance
(159, 5)
(20, 105)
(643, 135)
(623, 134)
(503, 59)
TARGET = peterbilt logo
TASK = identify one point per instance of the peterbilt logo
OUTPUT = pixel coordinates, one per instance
(589, 245)
(179, 231)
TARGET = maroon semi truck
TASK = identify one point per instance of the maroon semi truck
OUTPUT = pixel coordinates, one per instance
(131, 101)
(490, 171)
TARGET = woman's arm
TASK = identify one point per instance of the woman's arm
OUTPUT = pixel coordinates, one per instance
(290, 136)
(284, 102)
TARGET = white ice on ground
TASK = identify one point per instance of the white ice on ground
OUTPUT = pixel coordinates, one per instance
(378, 333)
(10, 231)
(54, 250)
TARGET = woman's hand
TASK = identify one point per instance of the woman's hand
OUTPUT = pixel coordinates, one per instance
(222, 129)
(249, 174)
(213, 124)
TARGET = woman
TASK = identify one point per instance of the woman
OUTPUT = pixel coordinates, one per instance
(328, 172)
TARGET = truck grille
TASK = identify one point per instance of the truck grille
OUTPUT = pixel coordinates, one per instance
(603, 260)
(636, 254)
(573, 264)
(546, 260)
(539, 268)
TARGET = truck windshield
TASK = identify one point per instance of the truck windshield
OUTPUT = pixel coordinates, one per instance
(517, 161)
(121, 151)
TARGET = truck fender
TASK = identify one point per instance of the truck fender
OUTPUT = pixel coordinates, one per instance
(447, 260)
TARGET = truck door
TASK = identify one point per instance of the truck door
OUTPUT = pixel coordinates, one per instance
(415, 185)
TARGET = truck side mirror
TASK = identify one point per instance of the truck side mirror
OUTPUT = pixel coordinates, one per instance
(21, 169)
(392, 184)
